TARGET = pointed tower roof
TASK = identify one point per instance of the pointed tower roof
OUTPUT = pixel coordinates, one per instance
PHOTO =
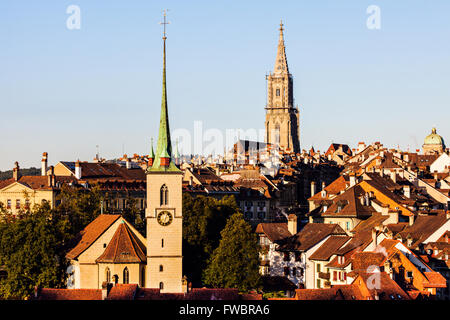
(176, 153)
(281, 65)
(164, 146)
(152, 153)
(124, 247)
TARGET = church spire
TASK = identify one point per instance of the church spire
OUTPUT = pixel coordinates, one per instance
(281, 65)
(163, 153)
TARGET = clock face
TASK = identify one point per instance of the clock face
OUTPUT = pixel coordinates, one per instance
(164, 218)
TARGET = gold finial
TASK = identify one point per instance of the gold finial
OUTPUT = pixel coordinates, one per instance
(164, 23)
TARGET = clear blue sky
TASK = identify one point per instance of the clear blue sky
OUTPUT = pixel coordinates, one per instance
(66, 91)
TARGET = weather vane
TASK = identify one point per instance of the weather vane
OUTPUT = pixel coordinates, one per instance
(164, 23)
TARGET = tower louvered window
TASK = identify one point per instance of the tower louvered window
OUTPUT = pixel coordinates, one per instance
(164, 195)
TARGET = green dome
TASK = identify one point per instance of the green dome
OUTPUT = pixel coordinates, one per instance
(434, 138)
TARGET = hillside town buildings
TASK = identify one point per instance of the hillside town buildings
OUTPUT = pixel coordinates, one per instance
(369, 223)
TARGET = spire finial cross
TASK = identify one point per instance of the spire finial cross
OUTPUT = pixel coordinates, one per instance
(164, 23)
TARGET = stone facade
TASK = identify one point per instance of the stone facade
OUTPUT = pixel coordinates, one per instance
(282, 119)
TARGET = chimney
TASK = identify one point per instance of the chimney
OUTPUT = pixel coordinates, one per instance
(394, 176)
(16, 171)
(411, 219)
(406, 157)
(51, 177)
(127, 162)
(388, 268)
(44, 164)
(78, 169)
(394, 217)
(374, 237)
(407, 191)
(292, 223)
(352, 179)
(323, 185)
(313, 188)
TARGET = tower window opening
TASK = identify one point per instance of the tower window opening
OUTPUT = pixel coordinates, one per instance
(164, 195)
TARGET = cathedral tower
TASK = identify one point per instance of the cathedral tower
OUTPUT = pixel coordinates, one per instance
(164, 208)
(282, 119)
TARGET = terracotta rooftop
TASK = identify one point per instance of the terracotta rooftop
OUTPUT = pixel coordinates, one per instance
(274, 231)
(124, 247)
(423, 227)
(329, 247)
(310, 235)
(348, 204)
(69, 294)
(91, 233)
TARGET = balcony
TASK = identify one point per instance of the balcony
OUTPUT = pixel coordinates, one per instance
(325, 276)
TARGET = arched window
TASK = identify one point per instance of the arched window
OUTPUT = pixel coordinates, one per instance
(278, 92)
(126, 276)
(116, 278)
(161, 286)
(108, 275)
(162, 243)
(161, 268)
(164, 195)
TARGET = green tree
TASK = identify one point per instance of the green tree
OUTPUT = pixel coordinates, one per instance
(32, 248)
(204, 219)
(79, 206)
(234, 263)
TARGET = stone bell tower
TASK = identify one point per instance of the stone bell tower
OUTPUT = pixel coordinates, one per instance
(282, 119)
(164, 208)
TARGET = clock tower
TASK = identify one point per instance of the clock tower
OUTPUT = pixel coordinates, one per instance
(164, 208)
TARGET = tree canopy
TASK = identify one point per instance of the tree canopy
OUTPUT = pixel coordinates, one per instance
(203, 220)
(234, 263)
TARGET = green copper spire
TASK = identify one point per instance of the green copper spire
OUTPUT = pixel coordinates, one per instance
(152, 153)
(164, 146)
(176, 153)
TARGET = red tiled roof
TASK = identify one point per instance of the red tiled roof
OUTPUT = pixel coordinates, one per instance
(329, 247)
(69, 294)
(348, 204)
(310, 235)
(91, 233)
(124, 247)
(37, 182)
(122, 292)
(361, 261)
(274, 231)
(212, 294)
(388, 289)
(333, 188)
(423, 227)
(435, 280)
